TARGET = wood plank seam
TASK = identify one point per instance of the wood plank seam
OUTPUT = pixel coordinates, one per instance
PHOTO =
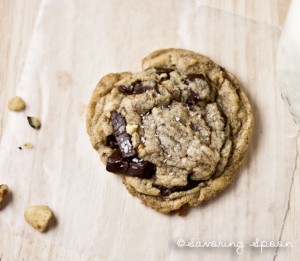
(241, 16)
(288, 207)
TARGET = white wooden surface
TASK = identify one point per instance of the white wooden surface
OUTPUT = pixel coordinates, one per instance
(54, 52)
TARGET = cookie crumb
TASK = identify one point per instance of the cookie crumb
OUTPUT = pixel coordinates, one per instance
(38, 217)
(16, 104)
(3, 193)
(34, 122)
(27, 145)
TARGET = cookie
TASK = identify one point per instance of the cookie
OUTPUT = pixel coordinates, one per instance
(176, 132)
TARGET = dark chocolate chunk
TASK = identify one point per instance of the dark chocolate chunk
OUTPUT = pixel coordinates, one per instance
(143, 169)
(115, 163)
(139, 88)
(164, 191)
(121, 161)
(118, 123)
(193, 98)
(126, 89)
(122, 137)
(125, 145)
(136, 88)
(192, 77)
(111, 141)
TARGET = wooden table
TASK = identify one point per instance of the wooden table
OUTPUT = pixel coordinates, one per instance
(96, 218)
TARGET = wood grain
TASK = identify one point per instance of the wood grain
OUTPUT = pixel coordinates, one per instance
(17, 20)
(73, 44)
(270, 12)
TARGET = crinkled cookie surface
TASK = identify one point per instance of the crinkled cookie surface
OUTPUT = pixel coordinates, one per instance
(177, 131)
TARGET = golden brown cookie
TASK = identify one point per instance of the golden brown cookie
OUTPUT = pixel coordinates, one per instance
(177, 131)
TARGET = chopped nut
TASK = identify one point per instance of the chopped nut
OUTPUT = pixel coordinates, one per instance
(163, 76)
(3, 193)
(34, 122)
(16, 104)
(131, 128)
(38, 217)
(27, 145)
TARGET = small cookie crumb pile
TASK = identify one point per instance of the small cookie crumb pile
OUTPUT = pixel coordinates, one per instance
(16, 104)
(38, 217)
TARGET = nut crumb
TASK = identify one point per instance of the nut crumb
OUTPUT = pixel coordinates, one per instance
(16, 104)
(27, 145)
(131, 128)
(163, 76)
(34, 122)
(3, 193)
(38, 217)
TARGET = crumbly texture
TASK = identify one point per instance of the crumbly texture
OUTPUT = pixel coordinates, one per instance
(3, 193)
(27, 145)
(195, 126)
(34, 122)
(38, 217)
(16, 104)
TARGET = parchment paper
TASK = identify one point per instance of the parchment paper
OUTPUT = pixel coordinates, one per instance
(75, 43)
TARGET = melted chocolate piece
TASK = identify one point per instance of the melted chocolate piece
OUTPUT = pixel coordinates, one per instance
(126, 89)
(118, 122)
(192, 77)
(141, 169)
(125, 145)
(164, 191)
(115, 163)
(193, 98)
(136, 88)
(122, 137)
(111, 141)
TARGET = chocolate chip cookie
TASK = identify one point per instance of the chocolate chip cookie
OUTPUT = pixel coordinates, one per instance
(177, 131)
